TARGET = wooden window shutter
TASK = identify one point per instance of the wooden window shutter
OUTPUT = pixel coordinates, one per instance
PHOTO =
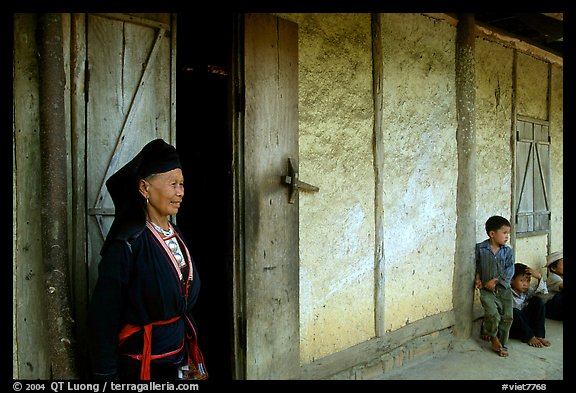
(532, 176)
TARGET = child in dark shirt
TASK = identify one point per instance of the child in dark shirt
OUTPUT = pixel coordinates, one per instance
(529, 310)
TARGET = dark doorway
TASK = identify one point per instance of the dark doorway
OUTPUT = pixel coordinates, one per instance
(204, 142)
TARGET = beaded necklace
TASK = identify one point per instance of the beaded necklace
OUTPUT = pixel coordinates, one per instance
(162, 231)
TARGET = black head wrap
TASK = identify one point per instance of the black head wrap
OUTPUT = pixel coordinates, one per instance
(130, 217)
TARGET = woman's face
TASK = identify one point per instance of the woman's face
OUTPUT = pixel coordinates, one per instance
(165, 192)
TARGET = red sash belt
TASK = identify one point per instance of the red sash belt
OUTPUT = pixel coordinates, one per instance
(146, 356)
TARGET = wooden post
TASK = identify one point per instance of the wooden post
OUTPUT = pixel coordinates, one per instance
(378, 148)
(464, 261)
(54, 196)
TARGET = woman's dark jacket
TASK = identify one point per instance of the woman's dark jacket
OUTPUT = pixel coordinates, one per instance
(137, 284)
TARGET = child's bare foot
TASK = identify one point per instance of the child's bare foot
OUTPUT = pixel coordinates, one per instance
(502, 352)
(497, 347)
(535, 342)
(496, 344)
(544, 342)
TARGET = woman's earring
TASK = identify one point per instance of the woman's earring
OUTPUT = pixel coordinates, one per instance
(146, 200)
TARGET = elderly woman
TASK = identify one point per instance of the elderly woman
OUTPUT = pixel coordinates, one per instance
(140, 319)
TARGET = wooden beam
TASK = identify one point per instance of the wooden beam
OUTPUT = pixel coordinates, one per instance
(518, 44)
(557, 16)
(378, 151)
(506, 40)
(462, 289)
(60, 324)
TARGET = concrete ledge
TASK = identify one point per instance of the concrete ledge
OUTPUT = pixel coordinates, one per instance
(416, 341)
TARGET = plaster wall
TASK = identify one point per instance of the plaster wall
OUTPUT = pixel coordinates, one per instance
(532, 87)
(337, 223)
(494, 95)
(420, 167)
(532, 251)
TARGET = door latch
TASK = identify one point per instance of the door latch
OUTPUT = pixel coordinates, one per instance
(295, 184)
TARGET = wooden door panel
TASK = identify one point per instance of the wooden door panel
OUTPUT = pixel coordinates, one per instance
(128, 104)
(271, 222)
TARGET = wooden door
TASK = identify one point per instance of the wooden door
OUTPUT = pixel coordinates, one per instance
(128, 103)
(270, 227)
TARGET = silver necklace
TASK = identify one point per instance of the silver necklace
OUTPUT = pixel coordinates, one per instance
(164, 233)
(175, 249)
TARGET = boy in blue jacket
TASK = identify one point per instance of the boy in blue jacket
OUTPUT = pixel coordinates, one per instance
(494, 270)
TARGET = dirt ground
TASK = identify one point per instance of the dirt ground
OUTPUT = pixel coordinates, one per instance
(473, 359)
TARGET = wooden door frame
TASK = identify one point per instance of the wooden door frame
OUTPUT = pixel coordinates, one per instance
(78, 81)
(238, 186)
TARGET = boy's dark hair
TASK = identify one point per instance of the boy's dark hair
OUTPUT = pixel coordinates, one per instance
(519, 269)
(496, 222)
